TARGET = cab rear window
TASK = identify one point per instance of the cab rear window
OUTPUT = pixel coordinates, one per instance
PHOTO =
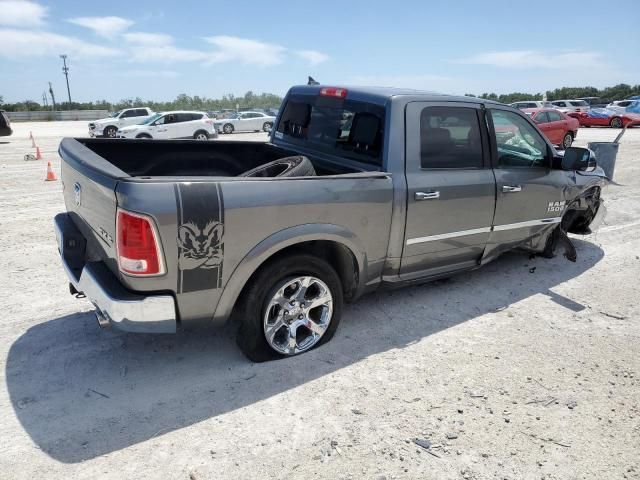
(336, 126)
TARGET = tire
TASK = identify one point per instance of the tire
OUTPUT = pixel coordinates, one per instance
(567, 141)
(616, 122)
(144, 136)
(201, 136)
(256, 309)
(110, 131)
(267, 126)
(227, 128)
(298, 166)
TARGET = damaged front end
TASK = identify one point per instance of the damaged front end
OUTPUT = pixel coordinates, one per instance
(582, 216)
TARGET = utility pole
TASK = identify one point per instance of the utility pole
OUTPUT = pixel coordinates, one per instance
(53, 98)
(65, 70)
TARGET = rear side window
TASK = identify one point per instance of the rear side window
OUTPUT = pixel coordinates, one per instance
(341, 127)
(141, 112)
(450, 138)
(554, 116)
(579, 103)
(542, 117)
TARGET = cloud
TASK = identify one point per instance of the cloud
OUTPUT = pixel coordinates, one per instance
(312, 56)
(250, 52)
(166, 54)
(107, 27)
(151, 73)
(527, 59)
(21, 13)
(151, 39)
(428, 82)
(25, 43)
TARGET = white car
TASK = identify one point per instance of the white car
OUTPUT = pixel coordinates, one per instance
(246, 122)
(109, 126)
(568, 106)
(176, 124)
(620, 106)
(531, 104)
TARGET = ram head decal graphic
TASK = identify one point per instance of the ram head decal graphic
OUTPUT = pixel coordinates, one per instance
(200, 248)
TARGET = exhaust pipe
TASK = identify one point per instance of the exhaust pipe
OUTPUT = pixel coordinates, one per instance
(103, 321)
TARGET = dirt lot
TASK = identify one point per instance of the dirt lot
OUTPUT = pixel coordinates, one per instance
(524, 369)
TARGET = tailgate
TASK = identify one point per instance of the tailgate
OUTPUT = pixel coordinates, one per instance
(89, 183)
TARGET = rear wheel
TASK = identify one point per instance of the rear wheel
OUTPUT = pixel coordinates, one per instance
(110, 131)
(616, 122)
(567, 141)
(293, 305)
(201, 135)
(228, 128)
(144, 136)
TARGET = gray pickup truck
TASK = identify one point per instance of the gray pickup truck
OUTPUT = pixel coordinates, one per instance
(357, 189)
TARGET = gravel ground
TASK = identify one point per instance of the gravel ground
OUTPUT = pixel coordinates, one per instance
(507, 372)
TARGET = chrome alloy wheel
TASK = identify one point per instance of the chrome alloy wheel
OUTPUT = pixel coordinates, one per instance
(297, 315)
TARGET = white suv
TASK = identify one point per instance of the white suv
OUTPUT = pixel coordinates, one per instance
(569, 106)
(176, 124)
(531, 104)
(109, 126)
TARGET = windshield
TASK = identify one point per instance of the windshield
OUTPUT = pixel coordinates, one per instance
(151, 119)
(333, 125)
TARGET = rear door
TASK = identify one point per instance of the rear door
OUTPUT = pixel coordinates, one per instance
(529, 193)
(451, 188)
(557, 125)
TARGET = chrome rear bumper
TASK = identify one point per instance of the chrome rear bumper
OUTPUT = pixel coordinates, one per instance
(122, 309)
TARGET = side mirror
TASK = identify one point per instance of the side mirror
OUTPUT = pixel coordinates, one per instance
(580, 159)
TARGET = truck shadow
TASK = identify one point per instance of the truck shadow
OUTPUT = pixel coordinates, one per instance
(80, 392)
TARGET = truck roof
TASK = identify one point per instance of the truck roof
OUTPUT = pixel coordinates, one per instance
(381, 95)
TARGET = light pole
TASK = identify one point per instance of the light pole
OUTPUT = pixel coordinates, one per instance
(65, 70)
(53, 98)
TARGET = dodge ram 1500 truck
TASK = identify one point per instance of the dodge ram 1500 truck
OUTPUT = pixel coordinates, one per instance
(358, 188)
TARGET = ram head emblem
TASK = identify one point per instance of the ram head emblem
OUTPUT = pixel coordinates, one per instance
(200, 248)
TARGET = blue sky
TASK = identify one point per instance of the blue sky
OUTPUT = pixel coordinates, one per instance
(157, 50)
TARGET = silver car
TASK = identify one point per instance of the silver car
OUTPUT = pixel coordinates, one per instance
(246, 122)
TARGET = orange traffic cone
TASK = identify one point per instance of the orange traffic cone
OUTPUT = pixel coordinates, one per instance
(51, 175)
(38, 154)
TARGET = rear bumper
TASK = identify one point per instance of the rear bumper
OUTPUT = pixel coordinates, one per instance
(122, 309)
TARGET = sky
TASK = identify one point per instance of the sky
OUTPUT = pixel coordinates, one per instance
(158, 49)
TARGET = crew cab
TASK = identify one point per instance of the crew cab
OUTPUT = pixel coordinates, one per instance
(170, 125)
(559, 128)
(108, 127)
(357, 189)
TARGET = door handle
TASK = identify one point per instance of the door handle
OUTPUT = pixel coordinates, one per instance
(511, 188)
(426, 195)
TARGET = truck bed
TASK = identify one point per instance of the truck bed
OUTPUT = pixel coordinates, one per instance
(177, 158)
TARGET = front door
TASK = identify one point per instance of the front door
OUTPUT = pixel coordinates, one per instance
(529, 192)
(451, 188)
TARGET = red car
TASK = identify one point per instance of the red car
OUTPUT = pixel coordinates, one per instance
(559, 128)
(605, 117)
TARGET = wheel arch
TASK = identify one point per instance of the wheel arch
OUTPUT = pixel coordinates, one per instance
(340, 247)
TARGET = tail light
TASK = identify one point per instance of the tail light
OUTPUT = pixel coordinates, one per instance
(137, 245)
(333, 92)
